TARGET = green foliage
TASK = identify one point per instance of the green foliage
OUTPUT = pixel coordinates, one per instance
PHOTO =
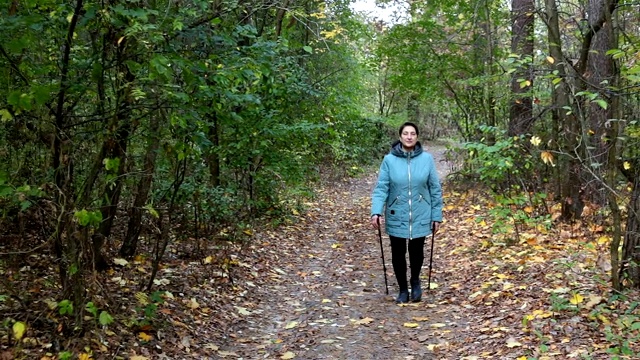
(18, 198)
(65, 355)
(65, 307)
(506, 166)
(499, 160)
(624, 333)
(88, 218)
(102, 317)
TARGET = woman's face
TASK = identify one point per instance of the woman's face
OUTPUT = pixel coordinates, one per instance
(408, 137)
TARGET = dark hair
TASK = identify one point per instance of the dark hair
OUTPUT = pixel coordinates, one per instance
(408, 123)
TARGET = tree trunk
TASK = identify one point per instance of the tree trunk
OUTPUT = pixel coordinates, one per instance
(521, 115)
(116, 144)
(630, 264)
(69, 257)
(130, 242)
(213, 158)
(600, 75)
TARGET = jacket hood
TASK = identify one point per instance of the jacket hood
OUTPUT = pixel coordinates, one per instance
(396, 149)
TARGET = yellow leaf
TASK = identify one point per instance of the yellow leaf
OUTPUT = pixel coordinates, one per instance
(336, 245)
(522, 358)
(84, 356)
(291, 325)
(19, 329)
(626, 165)
(288, 355)
(248, 232)
(535, 141)
(326, 300)
(193, 304)
(411, 325)
(208, 260)
(433, 286)
(604, 319)
(576, 299)
(142, 298)
(138, 357)
(550, 59)
(438, 325)
(432, 347)
(547, 158)
(364, 321)
(295, 212)
(145, 337)
(511, 342)
(420, 318)
(528, 209)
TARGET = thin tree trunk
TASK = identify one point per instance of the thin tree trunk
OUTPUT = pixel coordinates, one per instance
(521, 116)
(130, 243)
(630, 264)
(213, 158)
(600, 75)
(70, 257)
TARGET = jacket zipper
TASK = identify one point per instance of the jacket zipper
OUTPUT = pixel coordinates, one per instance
(394, 201)
(410, 203)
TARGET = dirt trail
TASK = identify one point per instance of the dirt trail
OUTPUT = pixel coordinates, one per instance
(326, 295)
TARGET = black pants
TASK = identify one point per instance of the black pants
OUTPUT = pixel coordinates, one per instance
(399, 261)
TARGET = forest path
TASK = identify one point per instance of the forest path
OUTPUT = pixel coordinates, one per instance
(325, 296)
(315, 288)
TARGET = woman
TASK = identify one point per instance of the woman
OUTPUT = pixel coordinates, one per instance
(409, 193)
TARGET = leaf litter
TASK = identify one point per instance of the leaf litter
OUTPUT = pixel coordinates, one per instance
(313, 288)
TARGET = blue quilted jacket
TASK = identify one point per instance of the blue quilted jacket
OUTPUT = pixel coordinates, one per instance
(408, 192)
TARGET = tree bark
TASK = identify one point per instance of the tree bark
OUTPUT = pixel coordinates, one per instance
(601, 74)
(630, 264)
(134, 227)
(521, 114)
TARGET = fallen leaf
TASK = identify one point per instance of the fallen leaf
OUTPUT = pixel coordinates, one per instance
(19, 329)
(593, 301)
(291, 325)
(193, 304)
(364, 321)
(145, 337)
(511, 342)
(121, 262)
(288, 355)
(411, 325)
(243, 311)
(576, 299)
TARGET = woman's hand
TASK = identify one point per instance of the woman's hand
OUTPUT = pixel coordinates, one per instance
(376, 221)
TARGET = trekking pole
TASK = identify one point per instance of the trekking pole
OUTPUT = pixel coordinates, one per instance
(384, 266)
(433, 235)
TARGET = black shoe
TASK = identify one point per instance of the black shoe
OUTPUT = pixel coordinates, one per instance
(416, 290)
(403, 297)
